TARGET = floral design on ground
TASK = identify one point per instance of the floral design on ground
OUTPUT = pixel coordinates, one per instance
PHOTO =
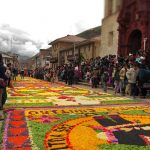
(103, 126)
(16, 134)
(45, 119)
(32, 91)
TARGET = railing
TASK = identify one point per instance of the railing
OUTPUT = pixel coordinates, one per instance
(54, 60)
(70, 57)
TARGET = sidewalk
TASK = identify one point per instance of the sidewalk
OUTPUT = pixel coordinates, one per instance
(109, 90)
(88, 84)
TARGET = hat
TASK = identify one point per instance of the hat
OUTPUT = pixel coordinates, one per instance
(142, 57)
(130, 54)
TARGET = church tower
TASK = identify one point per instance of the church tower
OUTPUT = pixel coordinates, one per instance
(109, 29)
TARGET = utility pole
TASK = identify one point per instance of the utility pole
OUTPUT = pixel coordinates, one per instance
(11, 38)
(74, 49)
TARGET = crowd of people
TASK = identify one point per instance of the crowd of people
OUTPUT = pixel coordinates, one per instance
(7, 73)
(126, 75)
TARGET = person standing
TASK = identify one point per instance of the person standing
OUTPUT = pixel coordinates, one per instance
(70, 75)
(105, 78)
(8, 74)
(132, 75)
(65, 74)
(122, 83)
(14, 73)
(22, 73)
(3, 83)
(116, 80)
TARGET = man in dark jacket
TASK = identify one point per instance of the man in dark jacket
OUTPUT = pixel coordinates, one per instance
(3, 84)
(70, 75)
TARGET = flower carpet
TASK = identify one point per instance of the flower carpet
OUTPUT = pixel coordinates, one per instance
(44, 116)
(31, 92)
(78, 128)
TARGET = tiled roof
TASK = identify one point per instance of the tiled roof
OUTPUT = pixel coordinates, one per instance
(97, 38)
(6, 56)
(92, 40)
(68, 39)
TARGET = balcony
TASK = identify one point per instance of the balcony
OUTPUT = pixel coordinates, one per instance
(73, 57)
(54, 60)
(70, 57)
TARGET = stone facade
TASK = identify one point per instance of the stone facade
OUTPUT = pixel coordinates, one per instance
(62, 43)
(42, 59)
(88, 49)
(134, 27)
(109, 34)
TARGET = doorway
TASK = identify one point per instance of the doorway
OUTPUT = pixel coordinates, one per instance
(135, 41)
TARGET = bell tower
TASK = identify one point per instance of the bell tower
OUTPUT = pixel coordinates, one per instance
(112, 6)
(109, 28)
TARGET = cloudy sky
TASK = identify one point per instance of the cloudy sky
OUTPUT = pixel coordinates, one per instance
(28, 25)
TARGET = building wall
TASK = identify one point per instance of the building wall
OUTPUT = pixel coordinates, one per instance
(109, 31)
(57, 46)
(111, 6)
(109, 35)
(97, 48)
(88, 50)
(91, 50)
(56, 50)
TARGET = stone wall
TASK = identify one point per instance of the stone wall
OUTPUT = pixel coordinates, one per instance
(109, 35)
(109, 29)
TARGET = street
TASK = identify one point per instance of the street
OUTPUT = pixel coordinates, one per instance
(43, 115)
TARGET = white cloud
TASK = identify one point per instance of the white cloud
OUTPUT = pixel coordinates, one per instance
(46, 20)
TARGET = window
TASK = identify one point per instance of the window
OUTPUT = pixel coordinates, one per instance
(110, 38)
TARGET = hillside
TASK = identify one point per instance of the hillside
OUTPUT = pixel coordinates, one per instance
(93, 32)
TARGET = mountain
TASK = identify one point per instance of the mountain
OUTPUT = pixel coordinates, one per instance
(90, 33)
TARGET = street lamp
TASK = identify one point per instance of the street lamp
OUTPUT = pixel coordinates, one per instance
(145, 40)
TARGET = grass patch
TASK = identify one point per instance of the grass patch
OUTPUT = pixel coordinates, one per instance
(38, 133)
(135, 112)
(28, 105)
(121, 101)
(122, 147)
(39, 130)
(25, 97)
(2, 127)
